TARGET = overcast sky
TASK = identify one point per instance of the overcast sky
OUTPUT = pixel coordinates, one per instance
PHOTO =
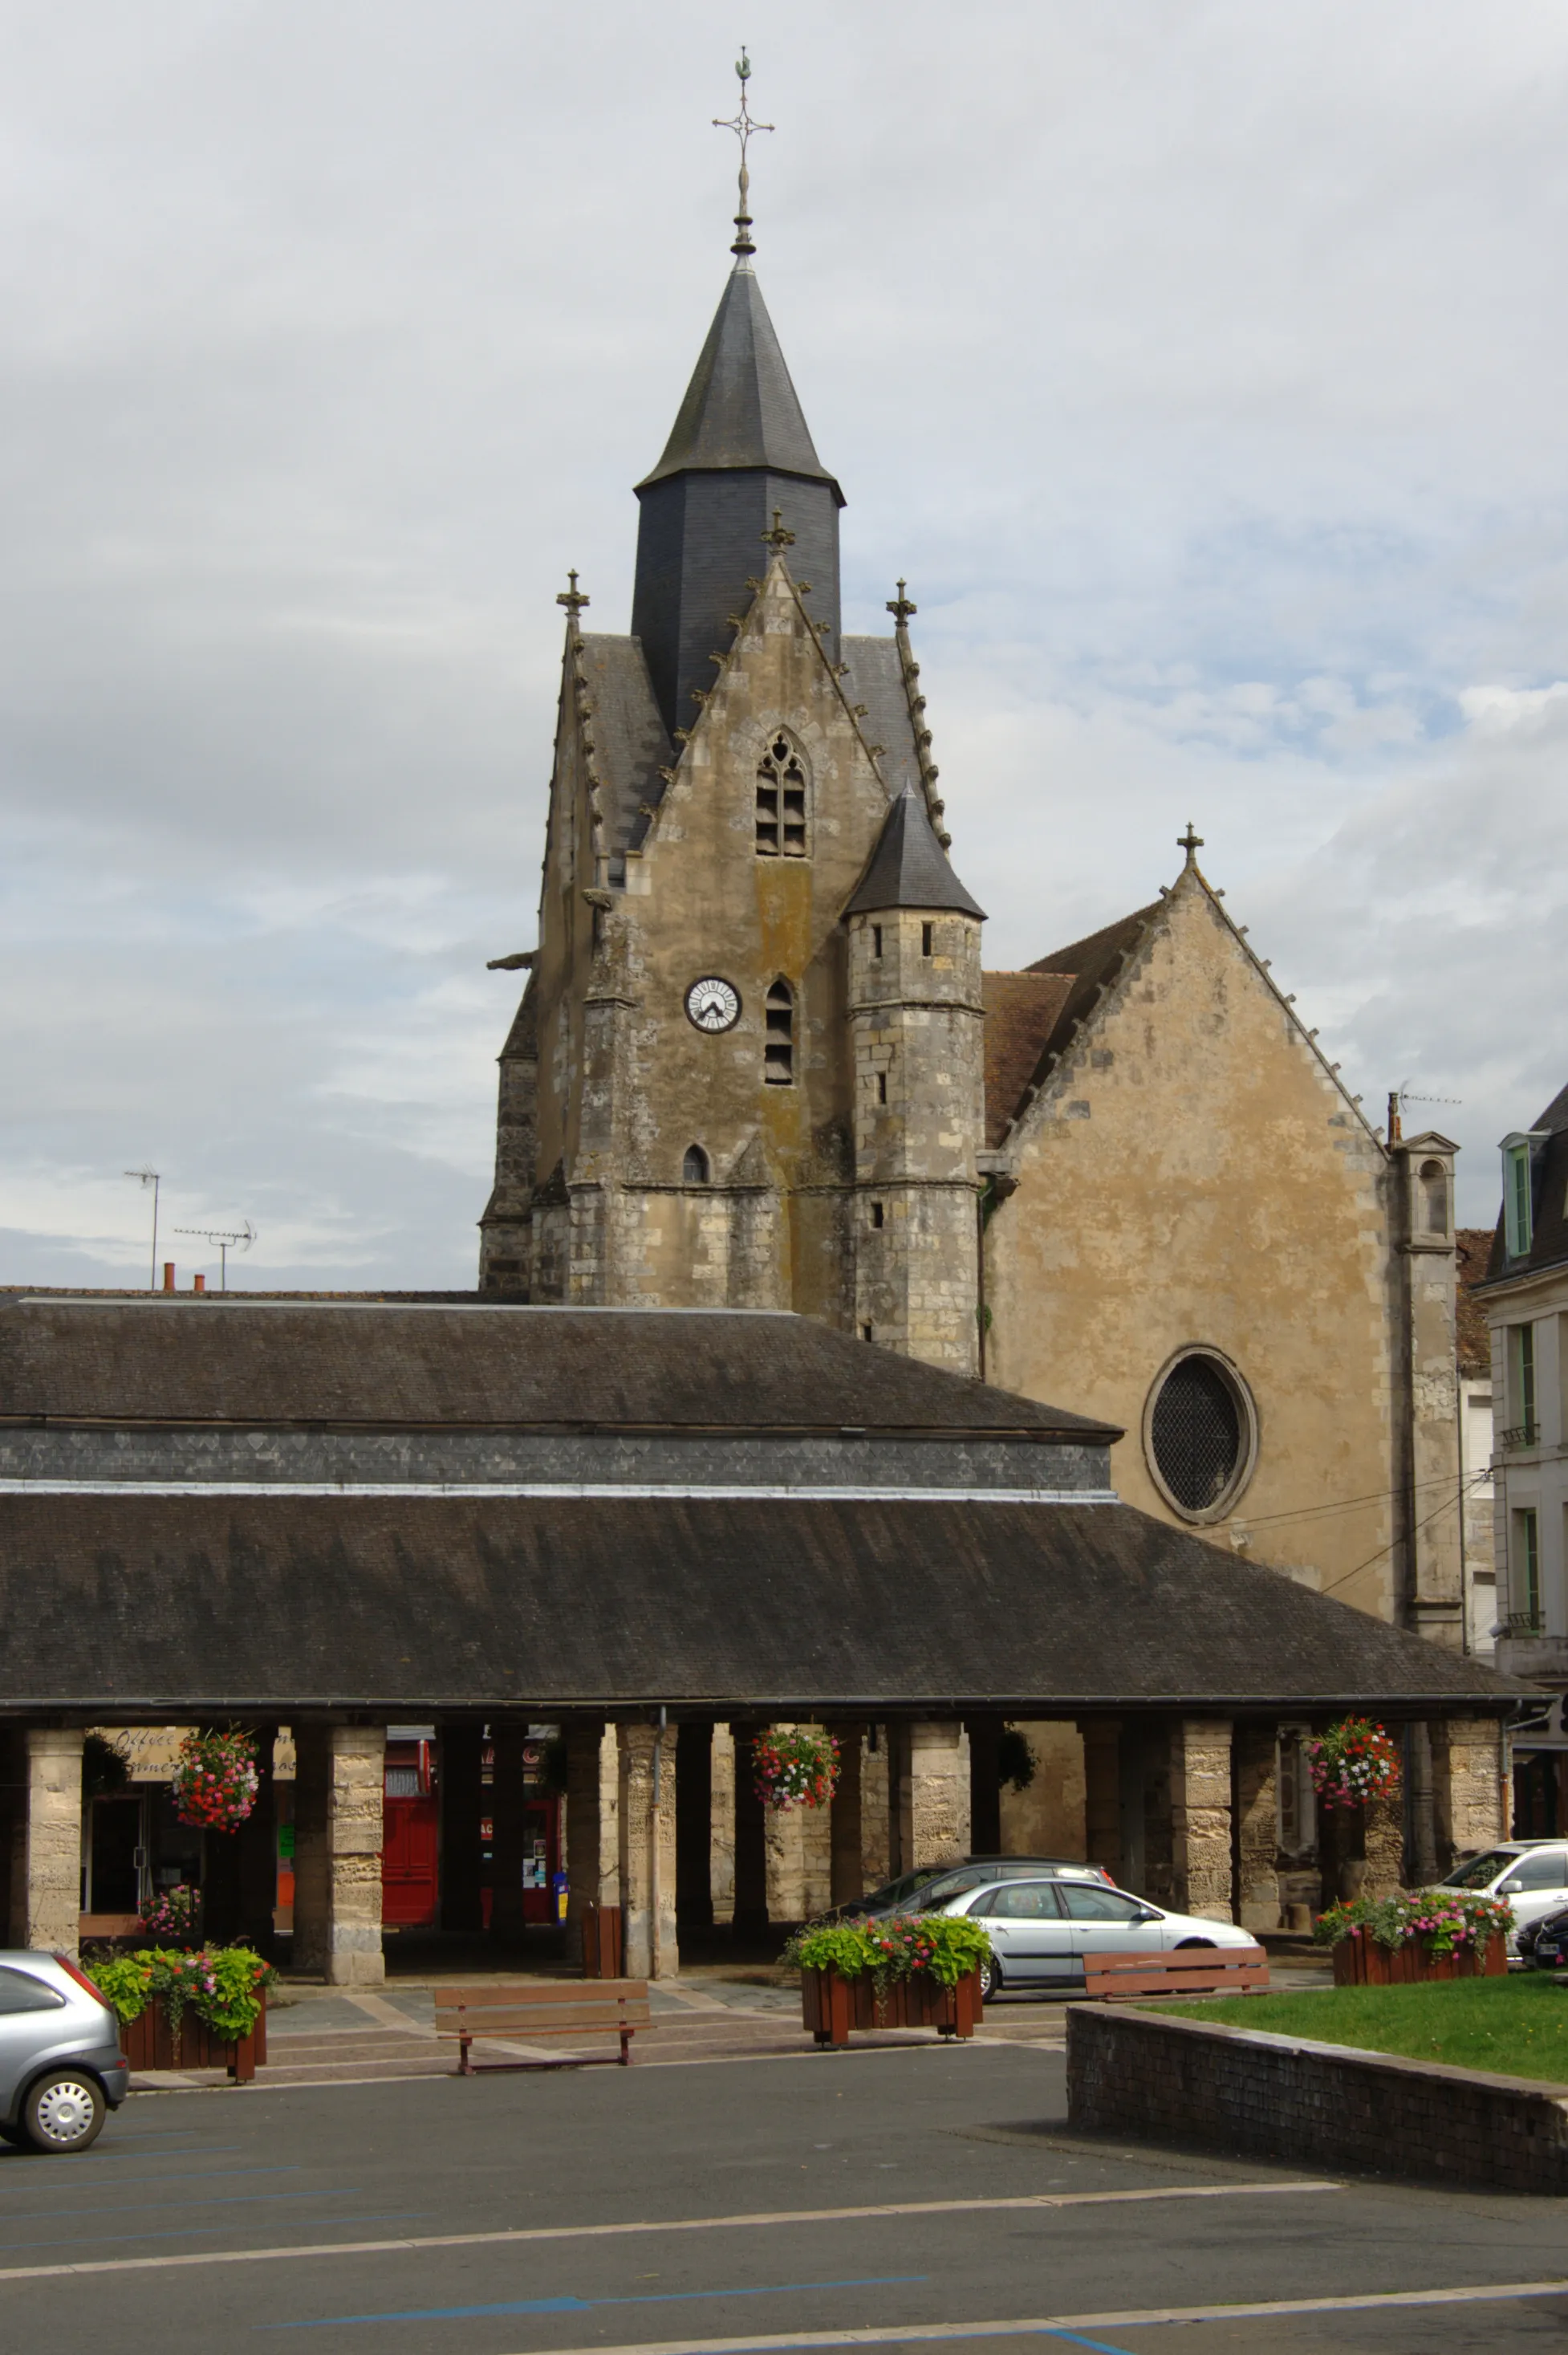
(1201, 365)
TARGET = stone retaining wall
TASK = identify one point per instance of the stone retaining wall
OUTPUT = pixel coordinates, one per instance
(1133, 2072)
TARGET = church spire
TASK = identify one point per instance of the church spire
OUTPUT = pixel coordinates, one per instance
(739, 449)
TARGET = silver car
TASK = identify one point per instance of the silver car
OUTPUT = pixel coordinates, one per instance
(61, 2069)
(1530, 1875)
(1044, 1934)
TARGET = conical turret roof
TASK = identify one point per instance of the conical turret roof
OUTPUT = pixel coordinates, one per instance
(741, 410)
(909, 867)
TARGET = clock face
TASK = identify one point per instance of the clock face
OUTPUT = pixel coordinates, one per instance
(712, 1004)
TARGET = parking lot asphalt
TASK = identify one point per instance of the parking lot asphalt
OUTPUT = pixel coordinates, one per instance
(902, 2196)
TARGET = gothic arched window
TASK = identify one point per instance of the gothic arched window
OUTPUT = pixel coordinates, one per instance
(781, 801)
(694, 1168)
(778, 1054)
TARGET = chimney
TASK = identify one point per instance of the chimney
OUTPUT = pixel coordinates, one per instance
(198, 1284)
(168, 1276)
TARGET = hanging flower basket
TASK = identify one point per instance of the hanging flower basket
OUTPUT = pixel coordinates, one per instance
(1353, 1762)
(216, 1780)
(795, 1766)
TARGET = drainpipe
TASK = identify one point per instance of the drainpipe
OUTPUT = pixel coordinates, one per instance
(654, 1847)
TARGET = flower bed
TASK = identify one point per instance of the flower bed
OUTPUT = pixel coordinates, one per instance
(1424, 1934)
(905, 1970)
(201, 2010)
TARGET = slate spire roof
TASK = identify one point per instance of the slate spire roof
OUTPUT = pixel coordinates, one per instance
(741, 409)
(909, 869)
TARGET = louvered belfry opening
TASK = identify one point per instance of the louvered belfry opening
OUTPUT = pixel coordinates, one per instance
(1196, 1433)
(781, 803)
(779, 1055)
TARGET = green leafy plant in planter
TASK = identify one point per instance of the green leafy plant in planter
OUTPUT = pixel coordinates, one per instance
(223, 1986)
(942, 1946)
(1444, 1921)
(171, 1917)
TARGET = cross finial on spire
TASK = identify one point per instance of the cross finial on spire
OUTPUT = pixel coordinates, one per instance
(900, 607)
(743, 126)
(779, 539)
(1192, 843)
(573, 598)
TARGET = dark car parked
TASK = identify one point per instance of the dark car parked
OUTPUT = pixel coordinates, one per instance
(932, 1886)
(1544, 1944)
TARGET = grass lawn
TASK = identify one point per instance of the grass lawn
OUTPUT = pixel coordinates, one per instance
(1518, 2025)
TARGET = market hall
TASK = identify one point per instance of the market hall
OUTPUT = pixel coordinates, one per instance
(647, 1535)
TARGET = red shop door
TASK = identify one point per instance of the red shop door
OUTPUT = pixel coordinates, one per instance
(408, 1851)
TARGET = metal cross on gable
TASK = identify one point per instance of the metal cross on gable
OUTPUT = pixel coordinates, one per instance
(573, 598)
(900, 607)
(1191, 842)
(743, 126)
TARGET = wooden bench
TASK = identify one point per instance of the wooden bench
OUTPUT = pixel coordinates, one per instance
(1184, 1970)
(573, 2008)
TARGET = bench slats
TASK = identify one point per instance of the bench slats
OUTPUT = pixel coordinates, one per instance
(1190, 1970)
(548, 2008)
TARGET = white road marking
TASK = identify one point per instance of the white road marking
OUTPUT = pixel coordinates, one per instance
(894, 2334)
(677, 2225)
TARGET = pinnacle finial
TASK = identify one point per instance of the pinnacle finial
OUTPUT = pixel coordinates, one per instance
(779, 539)
(743, 126)
(900, 607)
(573, 598)
(1192, 843)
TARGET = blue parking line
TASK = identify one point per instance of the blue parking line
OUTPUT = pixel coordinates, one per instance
(208, 2231)
(197, 2175)
(159, 2207)
(585, 2305)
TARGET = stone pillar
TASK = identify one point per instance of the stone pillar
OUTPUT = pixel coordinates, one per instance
(508, 1829)
(52, 1906)
(648, 1852)
(876, 1837)
(721, 1824)
(750, 1844)
(816, 1860)
(339, 1796)
(694, 1830)
(1256, 1759)
(846, 1878)
(460, 1766)
(585, 1827)
(783, 1835)
(1422, 1818)
(934, 1794)
(609, 1817)
(1383, 1833)
(1201, 1817)
(258, 1842)
(985, 1784)
(1469, 1784)
(1101, 1738)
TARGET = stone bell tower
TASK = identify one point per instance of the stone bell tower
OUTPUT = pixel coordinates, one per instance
(917, 1024)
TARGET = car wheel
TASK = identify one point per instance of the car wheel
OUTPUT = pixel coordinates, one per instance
(1193, 1942)
(64, 2111)
(990, 1979)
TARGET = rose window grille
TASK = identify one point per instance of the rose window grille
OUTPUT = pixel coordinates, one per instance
(1197, 1434)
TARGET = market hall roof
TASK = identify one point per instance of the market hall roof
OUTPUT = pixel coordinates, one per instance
(235, 1358)
(164, 1607)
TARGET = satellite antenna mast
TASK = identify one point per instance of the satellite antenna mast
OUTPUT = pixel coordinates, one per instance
(226, 1240)
(150, 1178)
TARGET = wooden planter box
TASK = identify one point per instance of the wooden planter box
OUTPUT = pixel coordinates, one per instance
(149, 2043)
(1360, 1962)
(832, 2006)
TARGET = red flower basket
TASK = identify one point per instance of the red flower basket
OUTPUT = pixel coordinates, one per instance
(216, 1780)
(1353, 1763)
(795, 1766)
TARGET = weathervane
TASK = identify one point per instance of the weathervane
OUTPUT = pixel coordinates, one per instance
(743, 126)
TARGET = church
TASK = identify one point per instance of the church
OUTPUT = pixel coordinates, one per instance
(759, 1063)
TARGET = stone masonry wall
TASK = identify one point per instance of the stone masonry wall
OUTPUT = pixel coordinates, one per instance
(1311, 2104)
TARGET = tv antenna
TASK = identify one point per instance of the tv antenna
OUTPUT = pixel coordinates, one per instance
(1397, 1100)
(226, 1240)
(146, 1177)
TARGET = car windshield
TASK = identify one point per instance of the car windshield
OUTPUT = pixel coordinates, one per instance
(1479, 1870)
(899, 1892)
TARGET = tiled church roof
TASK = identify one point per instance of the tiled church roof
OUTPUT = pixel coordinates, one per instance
(1067, 983)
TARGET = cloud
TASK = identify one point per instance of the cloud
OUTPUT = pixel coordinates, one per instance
(1194, 365)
